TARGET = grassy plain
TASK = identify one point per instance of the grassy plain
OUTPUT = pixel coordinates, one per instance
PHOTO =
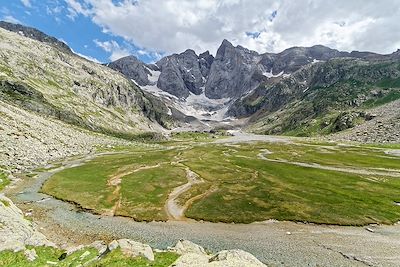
(356, 185)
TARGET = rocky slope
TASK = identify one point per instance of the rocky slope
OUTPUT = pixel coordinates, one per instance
(35, 35)
(28, 140)
(40, 77)
(321, 98)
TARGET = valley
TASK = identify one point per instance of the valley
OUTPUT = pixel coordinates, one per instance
(357, 186)
(292, 156)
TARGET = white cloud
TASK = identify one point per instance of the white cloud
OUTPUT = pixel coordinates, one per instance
(11, 19)
(175, 25)
(26, 3)
(113, 48)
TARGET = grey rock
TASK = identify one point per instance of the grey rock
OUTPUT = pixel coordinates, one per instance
(132, 248)
(35, 34)
(233, 256)
(185, 247)
(15, 231)
(231, 73)
(185, 73)
(30, 254)
(132, 68)
(101, 247)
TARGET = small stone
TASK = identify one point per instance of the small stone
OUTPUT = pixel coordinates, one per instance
(30, 254)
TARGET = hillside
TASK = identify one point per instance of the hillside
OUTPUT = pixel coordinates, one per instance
(39, 77)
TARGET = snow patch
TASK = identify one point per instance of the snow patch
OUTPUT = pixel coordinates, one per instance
(271, 75)
(153, 78)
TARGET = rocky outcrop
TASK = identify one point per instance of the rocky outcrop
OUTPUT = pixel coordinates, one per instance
(16, 232)
(132, 68)
(382, 126)
(35, 35)
(185, 73)
(233, 72)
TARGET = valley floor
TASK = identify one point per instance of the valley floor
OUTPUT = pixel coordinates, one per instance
(364, 179)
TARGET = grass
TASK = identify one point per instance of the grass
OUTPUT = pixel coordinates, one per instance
(4, 181)
(5, 202)
(117, 259)
(114, 258)
(93, 192)
(239, 186)
(391, 96)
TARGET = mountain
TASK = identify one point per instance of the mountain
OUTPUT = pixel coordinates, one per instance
(300, 91)
(42, 77)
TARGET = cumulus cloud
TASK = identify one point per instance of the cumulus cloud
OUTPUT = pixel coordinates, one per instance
(26, 3)
(264, 25)
(113, 48)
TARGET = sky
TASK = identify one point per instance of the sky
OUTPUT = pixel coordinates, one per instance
(105, 30)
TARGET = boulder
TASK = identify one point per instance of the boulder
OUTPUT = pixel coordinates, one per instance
(185, 247)
(132, 248)
(235, 257)
(30, 254)
(15, 231)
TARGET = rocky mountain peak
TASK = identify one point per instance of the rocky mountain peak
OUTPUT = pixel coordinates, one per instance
(133, 68)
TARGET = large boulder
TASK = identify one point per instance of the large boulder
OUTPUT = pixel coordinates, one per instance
(132, 248)
(15, 231)
(235, 257)
(185, 247)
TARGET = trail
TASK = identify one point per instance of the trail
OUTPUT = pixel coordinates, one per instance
(115, 181)
(384, 172)
(172, 208)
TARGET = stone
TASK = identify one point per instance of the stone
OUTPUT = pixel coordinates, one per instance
(132, 248)
(185, 246)
(16, 232)
(30, 254)
(100, 246)
(74, 249)
(236, 256)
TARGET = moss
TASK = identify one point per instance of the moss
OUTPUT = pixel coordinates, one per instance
(4, 181)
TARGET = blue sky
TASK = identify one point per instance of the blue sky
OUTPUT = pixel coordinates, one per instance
(149, 29)
(80, 33)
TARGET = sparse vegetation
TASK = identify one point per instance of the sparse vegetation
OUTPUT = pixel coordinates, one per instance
(48, 256)
(4, 181)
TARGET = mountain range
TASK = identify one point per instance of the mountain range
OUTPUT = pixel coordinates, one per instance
(301, 91)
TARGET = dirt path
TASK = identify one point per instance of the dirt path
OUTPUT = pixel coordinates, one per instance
(172, 207)
(384, 172)
(115, 181)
